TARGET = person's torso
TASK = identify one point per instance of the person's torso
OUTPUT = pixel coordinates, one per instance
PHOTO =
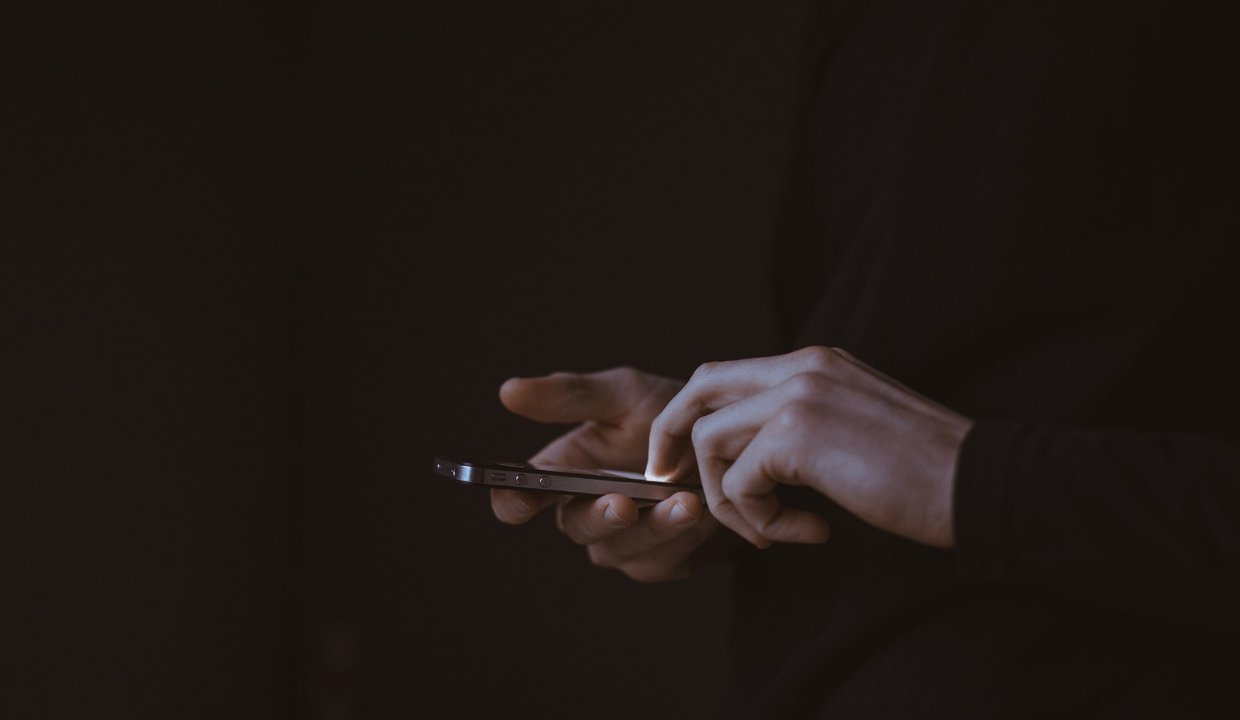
(1026, 211)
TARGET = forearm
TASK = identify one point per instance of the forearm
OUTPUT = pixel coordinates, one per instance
(1142, 522)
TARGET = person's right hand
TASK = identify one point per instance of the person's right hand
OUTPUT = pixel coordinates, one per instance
(615, 408)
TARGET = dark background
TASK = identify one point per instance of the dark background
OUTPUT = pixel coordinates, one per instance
(261, 262)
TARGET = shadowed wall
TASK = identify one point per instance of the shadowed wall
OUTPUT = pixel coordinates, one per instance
(262, 263)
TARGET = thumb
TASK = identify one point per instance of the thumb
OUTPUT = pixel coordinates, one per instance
(568, 397)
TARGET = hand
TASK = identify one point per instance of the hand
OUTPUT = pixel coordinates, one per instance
(615, 408)
(815, 417)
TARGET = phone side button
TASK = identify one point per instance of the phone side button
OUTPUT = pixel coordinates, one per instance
(520, 479)
(544, 481)
(498, 477)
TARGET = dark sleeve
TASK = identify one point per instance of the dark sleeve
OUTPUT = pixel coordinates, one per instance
(1147, 523)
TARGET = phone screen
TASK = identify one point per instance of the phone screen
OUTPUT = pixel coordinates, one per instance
(595, 471)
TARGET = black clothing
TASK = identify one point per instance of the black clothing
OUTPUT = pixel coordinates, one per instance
(1027, 211)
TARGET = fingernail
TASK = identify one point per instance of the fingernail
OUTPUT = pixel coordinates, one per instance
(612, 518)
(654, 476)
(520, 506)
(680, 515)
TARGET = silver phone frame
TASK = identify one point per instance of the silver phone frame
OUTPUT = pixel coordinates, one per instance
(492, 474)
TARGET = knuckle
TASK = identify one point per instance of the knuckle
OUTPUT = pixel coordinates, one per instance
(795, 415)
(809, 383)
(733, 489)
(704, 370)
(658, 426)
(819, 358)
(760, 522)
(725, 511)
(628, 375)
(702, 433)
(572, 383)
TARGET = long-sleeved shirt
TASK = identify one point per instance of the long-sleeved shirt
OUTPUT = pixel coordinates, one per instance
(1030, 212)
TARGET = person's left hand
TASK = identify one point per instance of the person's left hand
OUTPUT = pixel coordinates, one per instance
(815, 417)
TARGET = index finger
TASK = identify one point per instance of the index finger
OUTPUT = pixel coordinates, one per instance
(571, 397)
(716, 385)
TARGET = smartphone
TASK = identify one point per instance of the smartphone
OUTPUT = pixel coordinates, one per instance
(556, 479)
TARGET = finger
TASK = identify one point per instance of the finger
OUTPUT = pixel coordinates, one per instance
(571, 397)
(712, 469)
(681, 449)
(721, 437)
(716, 385)
(575, 448)
(725, 433)
(727, 513)
(676, 558)
(749, 486)
(722, 509)
(516, 507)
(590, 520)
(712, 386)
(665, 522)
